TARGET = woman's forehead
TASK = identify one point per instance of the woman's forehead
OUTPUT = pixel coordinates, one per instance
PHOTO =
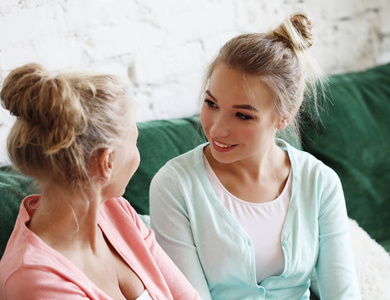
(226, 82)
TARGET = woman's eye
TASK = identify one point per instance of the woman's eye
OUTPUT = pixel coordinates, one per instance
(210, 103)
(244, 117)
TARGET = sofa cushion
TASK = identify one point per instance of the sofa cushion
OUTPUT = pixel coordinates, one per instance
(386, 244)
(353, 138)
(14, 187)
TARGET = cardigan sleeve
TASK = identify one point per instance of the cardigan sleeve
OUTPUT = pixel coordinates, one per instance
(335, 267)
(171, 222)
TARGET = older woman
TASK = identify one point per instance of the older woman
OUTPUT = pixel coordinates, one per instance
(79, 239)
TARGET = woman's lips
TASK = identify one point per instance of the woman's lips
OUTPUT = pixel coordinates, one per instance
(221, 147)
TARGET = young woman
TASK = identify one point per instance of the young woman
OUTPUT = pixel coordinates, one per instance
(79, 239)
(247, 216)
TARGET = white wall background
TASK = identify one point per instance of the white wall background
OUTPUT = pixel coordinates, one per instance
(163, 47)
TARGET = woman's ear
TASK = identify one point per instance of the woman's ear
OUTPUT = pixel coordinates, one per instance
(282, 124)
(106, 163)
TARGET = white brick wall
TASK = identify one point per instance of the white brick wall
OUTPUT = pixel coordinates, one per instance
(163, 47)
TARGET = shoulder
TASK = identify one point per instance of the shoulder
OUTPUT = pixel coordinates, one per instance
(179, 182)
(118, 205)
(41, 272)
(181, 167)
(40, 282)
(24, 249)
(187, 159)
(307, 164)
(118, 215)
(314, 178)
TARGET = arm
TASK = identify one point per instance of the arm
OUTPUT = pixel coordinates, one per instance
(335, 267)
(172, 224)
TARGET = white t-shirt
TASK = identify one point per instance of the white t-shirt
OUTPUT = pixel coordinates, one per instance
(144, 296)
(262, 221)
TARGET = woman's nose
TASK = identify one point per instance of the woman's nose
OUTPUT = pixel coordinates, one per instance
(220, 127)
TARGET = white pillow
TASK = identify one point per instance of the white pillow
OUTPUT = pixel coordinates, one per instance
(372, 264)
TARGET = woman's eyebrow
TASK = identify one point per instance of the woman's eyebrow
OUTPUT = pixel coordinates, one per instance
(211, 95)
(246, 106)
(242, 106)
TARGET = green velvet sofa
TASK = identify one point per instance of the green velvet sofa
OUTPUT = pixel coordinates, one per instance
(352, 136)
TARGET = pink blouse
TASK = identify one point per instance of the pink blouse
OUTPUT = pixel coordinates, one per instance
(31, 269)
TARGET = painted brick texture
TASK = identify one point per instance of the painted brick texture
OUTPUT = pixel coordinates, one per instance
(163, 47)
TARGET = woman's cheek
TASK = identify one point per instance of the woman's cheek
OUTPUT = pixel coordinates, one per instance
(204, 118)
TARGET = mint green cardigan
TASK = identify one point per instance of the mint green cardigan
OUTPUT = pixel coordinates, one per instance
(216, 254)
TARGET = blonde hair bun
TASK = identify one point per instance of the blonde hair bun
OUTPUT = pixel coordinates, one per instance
(63, 121)
(295, 32)
(46, 104)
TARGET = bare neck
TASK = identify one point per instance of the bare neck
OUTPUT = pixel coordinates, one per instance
(260, 178)
(271, 160)
(67, 221)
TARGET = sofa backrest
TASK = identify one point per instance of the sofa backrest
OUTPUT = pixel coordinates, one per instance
(353, 138)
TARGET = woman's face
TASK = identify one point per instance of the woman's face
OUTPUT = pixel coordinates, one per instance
(128, 157)
(126, 161)
(237, 126)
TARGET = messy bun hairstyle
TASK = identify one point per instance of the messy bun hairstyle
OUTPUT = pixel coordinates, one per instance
(280, 59)
(61, 121)
(295, 32)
